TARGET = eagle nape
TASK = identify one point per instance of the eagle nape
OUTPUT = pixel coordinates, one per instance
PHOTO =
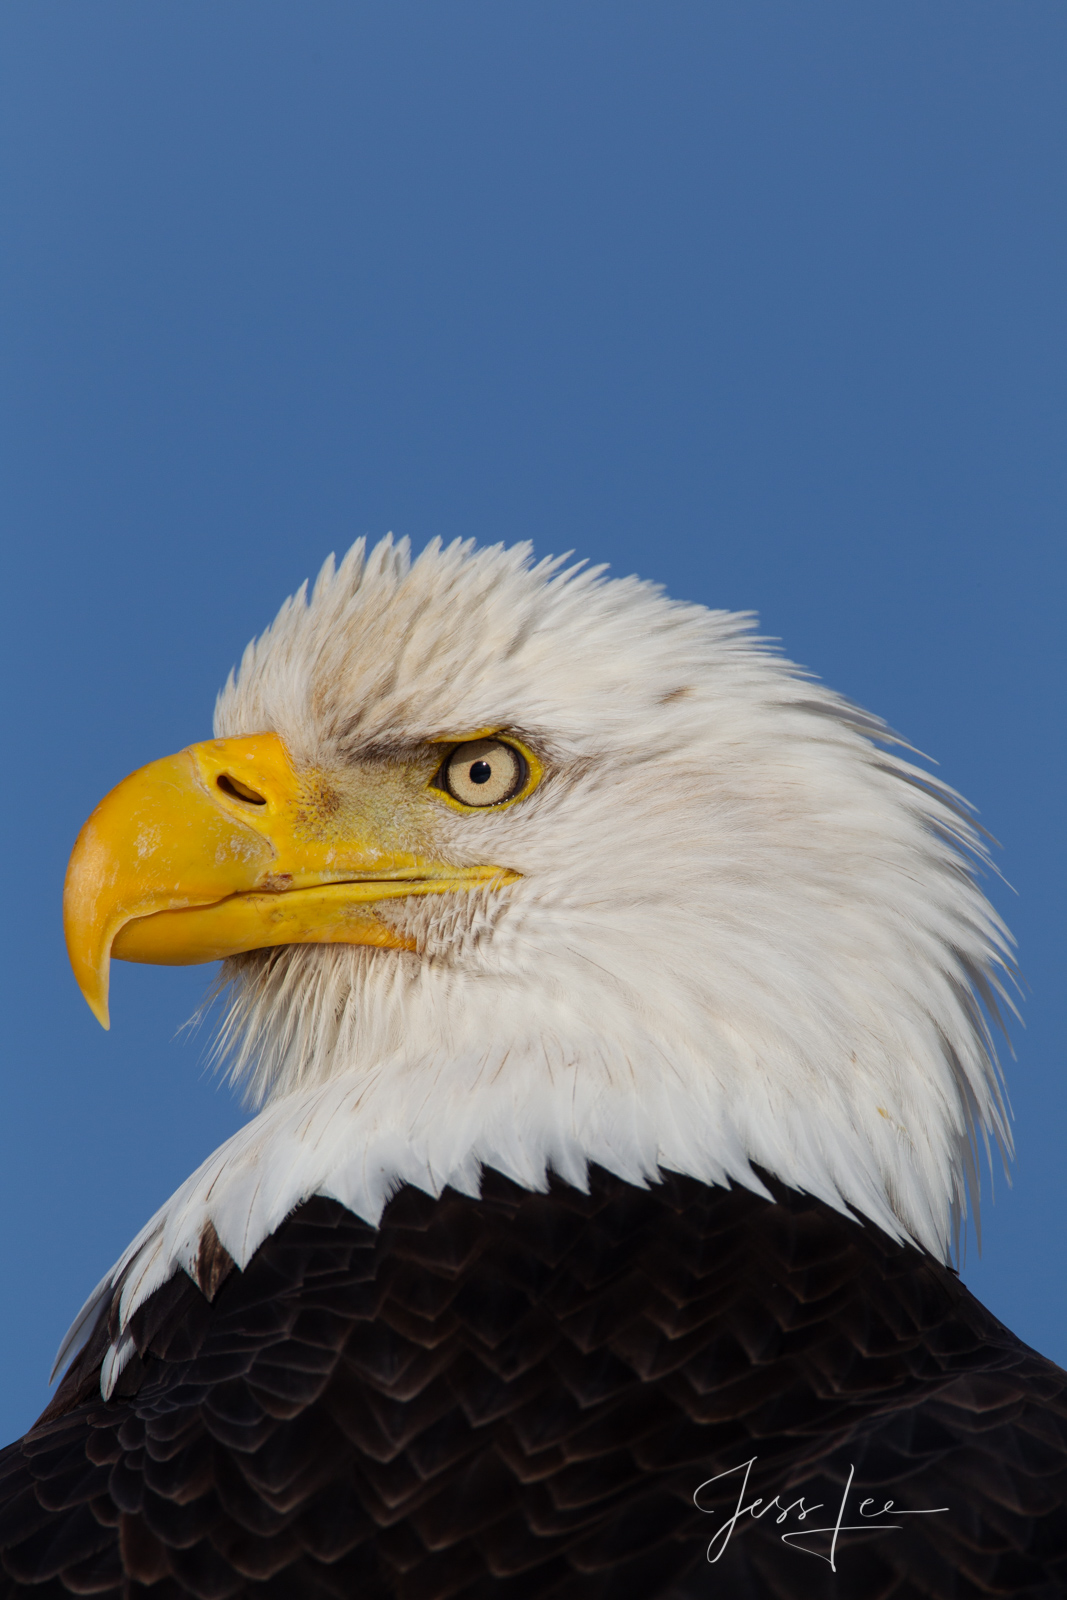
(613, 1000)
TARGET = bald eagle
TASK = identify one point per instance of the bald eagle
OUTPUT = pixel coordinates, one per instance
(613, 997)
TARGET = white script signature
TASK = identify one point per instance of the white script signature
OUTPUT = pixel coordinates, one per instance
(759, 1508)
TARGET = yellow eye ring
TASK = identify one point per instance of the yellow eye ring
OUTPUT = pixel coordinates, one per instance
(527, 770)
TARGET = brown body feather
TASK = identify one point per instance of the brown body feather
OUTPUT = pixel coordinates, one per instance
(515, 1398)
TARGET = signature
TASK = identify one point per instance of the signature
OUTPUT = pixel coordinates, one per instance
(795, 1539)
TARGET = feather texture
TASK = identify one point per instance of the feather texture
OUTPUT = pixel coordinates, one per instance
(520, 1395)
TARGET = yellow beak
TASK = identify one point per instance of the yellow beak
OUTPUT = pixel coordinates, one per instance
(225, 848)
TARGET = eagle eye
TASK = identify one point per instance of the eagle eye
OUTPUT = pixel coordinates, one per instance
(483, 772)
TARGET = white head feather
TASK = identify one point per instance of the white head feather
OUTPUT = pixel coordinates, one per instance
(746, 932)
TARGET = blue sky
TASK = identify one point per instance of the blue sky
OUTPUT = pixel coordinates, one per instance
(764, 301)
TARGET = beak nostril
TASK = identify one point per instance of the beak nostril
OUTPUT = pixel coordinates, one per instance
(239, 791)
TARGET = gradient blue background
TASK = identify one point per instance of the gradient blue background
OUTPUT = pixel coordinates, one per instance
(765, 301)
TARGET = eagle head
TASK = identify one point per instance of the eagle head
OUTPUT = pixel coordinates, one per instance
(514, 865)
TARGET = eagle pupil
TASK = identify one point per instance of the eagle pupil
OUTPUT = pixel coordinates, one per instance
(480, 772)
